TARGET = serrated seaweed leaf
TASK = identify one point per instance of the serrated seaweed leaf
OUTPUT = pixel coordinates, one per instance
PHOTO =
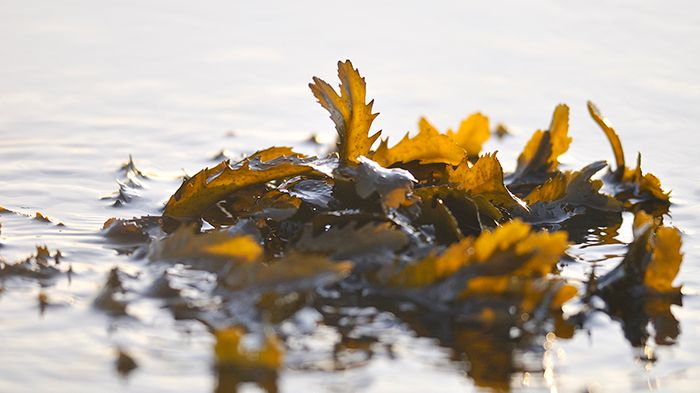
(570, 193)
(431, 269)
(294, 271)
(484, 178)
(540, 156)
(529, 254)
(218, 245)
(351, 115)
(212, 185)
(540, 250)
(256, 202)
(352, 241)
(38, 265)
(472, 133)
(429, 146)
(645, 186)
(434, 212)
(454, 213)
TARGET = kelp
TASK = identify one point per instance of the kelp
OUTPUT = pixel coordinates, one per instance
(430, 230)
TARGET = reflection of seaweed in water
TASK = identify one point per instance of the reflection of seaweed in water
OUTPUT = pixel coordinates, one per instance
(638, 315)
(230, 379)
(488, 352)
(592, 230)
(639, 292)
(489, 356)
(488, 349)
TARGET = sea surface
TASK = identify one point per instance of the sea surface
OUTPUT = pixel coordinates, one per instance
(85, 85)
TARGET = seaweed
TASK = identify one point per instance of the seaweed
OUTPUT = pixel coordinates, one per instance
(430, 230)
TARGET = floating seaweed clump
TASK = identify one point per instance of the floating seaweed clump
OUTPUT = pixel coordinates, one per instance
(430, 230)
(40, 266)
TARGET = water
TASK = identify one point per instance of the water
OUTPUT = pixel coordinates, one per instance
(84, 86)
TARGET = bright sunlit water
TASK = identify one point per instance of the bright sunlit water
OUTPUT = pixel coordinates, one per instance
(83, 85)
